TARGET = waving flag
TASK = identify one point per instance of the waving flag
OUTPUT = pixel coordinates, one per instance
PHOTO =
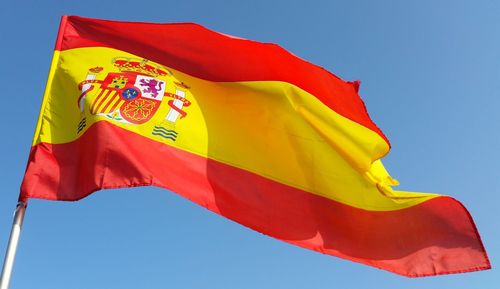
(244, 129)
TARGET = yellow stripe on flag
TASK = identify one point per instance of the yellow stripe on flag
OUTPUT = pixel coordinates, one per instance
(271, 128)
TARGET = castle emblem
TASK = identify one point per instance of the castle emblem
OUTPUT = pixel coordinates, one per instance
(132, 95)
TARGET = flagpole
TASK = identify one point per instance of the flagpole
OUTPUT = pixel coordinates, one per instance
(12, 246)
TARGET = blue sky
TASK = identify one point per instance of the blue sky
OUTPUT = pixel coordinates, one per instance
(430, 73)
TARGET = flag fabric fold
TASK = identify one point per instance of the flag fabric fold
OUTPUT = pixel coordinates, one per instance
(243, 128)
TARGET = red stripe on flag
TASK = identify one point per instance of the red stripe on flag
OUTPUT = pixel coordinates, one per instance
(400, 241)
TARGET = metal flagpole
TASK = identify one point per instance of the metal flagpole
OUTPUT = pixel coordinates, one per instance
(12, 246)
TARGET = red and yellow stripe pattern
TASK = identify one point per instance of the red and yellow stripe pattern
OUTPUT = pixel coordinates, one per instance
(269, 140)
(106, 102)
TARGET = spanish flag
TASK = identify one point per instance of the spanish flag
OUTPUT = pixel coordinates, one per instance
(244, 129)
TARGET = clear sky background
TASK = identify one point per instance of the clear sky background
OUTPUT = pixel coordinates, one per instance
(430, 73)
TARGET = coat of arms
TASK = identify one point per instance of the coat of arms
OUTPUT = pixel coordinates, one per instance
(132, 95)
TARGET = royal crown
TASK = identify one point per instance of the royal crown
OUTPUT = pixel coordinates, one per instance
(140, 66)
(96, 69)
(182, 84)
